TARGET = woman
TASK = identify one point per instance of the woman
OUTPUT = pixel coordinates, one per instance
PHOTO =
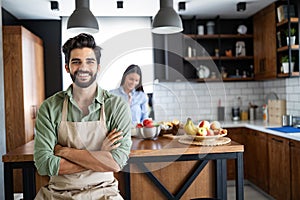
(132, 91)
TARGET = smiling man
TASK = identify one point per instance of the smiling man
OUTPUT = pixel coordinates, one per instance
(83, 133)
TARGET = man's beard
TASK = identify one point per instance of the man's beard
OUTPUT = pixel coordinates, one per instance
(83, 84)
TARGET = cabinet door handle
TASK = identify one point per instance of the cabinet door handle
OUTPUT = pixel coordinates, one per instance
(277, 140)
(33, 111)
(262, 65)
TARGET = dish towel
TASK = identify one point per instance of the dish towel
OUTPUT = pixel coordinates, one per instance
(286, 129)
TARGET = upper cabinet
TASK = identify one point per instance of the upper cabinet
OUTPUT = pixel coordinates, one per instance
(218, 49)
(23, 83)
(264, 33)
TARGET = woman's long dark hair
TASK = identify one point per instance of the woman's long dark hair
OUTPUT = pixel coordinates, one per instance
(133, 69)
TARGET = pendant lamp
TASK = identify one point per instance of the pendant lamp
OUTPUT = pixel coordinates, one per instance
(82, 19)
(166, 21)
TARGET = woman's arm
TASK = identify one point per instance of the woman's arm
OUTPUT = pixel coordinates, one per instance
(144, 108)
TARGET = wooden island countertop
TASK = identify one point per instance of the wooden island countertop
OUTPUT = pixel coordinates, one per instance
(164, 146)
(148, 154)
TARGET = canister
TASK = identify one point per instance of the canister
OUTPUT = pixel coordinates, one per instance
(200, 30)
(252, 113)
(287, 120)
(210, 27)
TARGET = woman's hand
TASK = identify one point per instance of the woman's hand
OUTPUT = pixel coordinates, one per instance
(111, 140)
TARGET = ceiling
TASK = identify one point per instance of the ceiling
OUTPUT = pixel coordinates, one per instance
(41, 9)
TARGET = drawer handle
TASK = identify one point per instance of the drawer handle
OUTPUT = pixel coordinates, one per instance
(276, 140)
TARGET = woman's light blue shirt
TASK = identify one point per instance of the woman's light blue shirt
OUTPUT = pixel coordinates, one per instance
(139, 104)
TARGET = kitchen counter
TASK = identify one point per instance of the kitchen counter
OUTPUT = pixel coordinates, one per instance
(259, 125)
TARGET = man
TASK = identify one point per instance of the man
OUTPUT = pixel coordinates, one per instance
(82, 134)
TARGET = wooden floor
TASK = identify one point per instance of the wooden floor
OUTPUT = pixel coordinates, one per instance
(250, 191)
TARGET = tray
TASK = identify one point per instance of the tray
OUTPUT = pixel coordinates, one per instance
(216, 142)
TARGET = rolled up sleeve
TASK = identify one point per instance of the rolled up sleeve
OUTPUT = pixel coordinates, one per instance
(44, 142)
(121, 119)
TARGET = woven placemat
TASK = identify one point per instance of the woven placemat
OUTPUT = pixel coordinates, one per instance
(216, 142)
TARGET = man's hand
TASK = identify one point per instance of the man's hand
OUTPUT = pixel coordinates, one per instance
(111, 140)
(58, 150)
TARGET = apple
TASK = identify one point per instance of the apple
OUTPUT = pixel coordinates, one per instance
(139, 125)
(204, 124)
(148, 122)
(210, 132)
(215, 125)
(201, 131)
(223, 131)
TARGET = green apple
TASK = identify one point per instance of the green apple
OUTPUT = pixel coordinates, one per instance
(201, 131)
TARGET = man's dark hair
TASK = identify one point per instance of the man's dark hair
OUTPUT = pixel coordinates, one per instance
(80, 41)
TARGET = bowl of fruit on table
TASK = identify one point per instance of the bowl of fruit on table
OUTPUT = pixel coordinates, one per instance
(148, 129)
(205, 130)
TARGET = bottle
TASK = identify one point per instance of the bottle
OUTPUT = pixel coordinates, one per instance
(265, 112)
(190, 51)
(251, 71)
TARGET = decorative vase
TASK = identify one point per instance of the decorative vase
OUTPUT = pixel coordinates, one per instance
(293, 40)
(285, 67)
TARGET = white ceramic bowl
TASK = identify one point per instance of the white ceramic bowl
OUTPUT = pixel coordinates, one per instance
(148, 133)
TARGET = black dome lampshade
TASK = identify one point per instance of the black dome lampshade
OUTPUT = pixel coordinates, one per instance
(82, 19)
(166, 21)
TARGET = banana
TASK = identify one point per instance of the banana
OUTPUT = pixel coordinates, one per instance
(190, 127)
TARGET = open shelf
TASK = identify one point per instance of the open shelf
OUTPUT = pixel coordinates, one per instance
(285, 21)
(285, 48)
(221, 36)
(218, 58)
(223, 79)
(285, 75)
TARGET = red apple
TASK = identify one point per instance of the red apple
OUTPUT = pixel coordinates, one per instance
(210, 132)
(204, 124)
(148, 122)
(139, 125)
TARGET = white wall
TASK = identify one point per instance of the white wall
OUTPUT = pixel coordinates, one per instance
(124, 41)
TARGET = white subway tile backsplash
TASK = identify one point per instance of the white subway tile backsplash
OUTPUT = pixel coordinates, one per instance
(247, 91)
(199, 100)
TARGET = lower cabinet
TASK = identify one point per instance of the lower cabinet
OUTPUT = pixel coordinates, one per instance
(295, 166)
(271, 162)
(256, 159)
(280, 168)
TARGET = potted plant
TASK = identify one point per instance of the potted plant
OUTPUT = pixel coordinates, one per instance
(292, 34)
(285, 64)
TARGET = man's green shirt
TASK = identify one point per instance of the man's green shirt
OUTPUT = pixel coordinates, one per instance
(117, 114)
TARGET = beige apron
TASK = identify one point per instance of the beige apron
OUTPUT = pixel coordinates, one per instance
(87, 184)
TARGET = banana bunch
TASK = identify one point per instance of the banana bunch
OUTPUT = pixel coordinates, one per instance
(190, 127)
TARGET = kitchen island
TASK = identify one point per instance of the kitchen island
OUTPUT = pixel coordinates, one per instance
(157, 169)
(167, 169)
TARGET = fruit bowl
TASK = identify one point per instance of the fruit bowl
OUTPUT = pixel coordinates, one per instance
(148, 133)
(206, 138)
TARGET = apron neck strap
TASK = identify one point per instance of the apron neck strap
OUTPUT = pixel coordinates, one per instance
(65, 110)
